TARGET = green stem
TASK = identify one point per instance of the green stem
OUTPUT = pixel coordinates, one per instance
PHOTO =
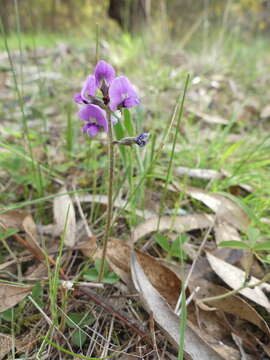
(234, 292)
(110, 196)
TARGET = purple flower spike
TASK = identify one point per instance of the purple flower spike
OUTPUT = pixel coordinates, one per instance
(95, 117)
(122, 94)
(104, 71)
(89, 88)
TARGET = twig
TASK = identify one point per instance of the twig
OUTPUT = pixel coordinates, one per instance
(98, 300)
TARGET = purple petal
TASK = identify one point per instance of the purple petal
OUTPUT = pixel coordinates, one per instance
(94, 114)
(77, 98)
(104, 71)
(89, 87)
(121, 92)
(91, 129)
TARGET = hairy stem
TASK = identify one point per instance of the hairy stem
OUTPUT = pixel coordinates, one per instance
(110, 196)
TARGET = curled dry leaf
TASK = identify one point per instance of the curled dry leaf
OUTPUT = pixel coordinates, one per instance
(235, 278)
(23, 221)
(119, 203)
(210, 119)
(194, 346)
(206, 174)
(179, 224)
(234, 305)
(64, 216)
(160, 276)
(225, 209)
(225, 232)
(11, 295)
(5, 345)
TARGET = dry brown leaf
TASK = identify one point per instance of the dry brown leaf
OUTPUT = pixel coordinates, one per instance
(10, 295)
(29, 227)
(13, 219)
(119, 203)
(197, 173)
(224, 208)
(64, 216)
(225, 232)
(194, 346)
(265, 113)
(23, 222)
(211, 119)
(231, 304)
(235, 278)
(160, 276)
(178, 223)
(5, 345)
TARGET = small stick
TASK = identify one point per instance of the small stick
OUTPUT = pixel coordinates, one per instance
(98, 300)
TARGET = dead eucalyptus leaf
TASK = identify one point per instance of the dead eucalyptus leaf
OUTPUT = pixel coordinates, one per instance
(13, 219)
(119, 203)
(194, 346)
(24, 222)
(179, 224)
(29, 227)
(225, 232)
(11, 295)
(206, 174)
(225, 208)
(160, 276)
(64, 216)
(5, 345)
(231, 304)
(235, 278)
(211, 119)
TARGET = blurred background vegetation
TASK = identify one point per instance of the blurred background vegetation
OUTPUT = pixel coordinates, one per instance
(179, 16)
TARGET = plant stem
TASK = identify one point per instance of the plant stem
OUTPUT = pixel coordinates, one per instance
(110, 196)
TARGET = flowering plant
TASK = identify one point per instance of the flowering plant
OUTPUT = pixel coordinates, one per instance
(102, 94)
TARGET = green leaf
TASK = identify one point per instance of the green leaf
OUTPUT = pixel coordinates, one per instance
(111, 278)
(253, 235)
(7, 315)
(163, 242)
(262, 246)
(97, 266)
(91, 275)
(37, 294)
(80, 319)
(128, 123)
(234, 244)
(6, 234)
(78, 338)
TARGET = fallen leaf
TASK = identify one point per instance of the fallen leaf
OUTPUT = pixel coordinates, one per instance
(265, 113)
(5, 345)
(211, 119)
(225, 209)
(194, 346)
(11, 295)
(235, 278)
(64, 216)
(233, 304)
(225, 232)
(197, 173)
(29, 227)
(160, 276)
(119, 203)
(179, 224)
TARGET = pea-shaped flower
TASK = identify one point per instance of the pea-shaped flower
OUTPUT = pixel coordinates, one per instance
(95, 119)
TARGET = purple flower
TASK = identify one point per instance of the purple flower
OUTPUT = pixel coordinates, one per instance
(104, 71)
(95, 119)
(142, 139)
(122, 94)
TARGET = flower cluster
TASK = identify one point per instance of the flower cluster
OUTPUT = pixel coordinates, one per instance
(116, 93)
